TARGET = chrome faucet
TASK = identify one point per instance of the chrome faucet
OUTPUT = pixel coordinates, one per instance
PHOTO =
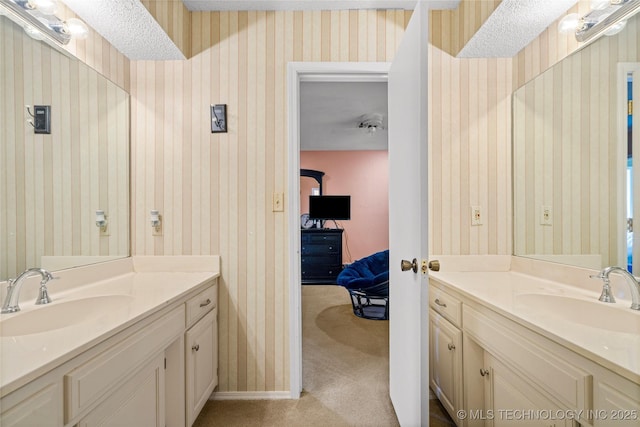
(13, 290)
(633, 283)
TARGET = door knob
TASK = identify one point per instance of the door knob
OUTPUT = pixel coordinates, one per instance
(409, 265)
(434, 265)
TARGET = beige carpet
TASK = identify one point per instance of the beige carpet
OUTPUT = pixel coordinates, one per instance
(345, 373)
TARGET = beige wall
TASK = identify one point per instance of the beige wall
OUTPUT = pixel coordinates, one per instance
(214, 190)
(470, 154)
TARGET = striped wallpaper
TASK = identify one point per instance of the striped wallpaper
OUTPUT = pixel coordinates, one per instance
(214, 190)
(470, 154)
(565, 151)
(452, 29)
(51, 185)
(98, 53)
(175, 20)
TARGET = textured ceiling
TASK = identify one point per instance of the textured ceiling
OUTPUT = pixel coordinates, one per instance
(128, 26)
(330, 114)
(512, 26)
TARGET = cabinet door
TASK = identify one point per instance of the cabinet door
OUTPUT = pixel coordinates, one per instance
(511, 401)
(41, 408)
(445, 362)
(202, 363)
(139, 402)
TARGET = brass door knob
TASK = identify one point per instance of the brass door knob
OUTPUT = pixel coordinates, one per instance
(434, 265)
(409, 265)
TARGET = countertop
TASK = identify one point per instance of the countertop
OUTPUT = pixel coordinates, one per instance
(25, 357)
(500, 292)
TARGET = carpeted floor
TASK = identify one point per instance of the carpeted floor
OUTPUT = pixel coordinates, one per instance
(345, 374)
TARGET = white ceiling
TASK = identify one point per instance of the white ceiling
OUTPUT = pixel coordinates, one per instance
(330, 113)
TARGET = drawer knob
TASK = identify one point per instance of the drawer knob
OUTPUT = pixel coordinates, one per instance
(484, 372)
(206, 303)
(451, 346)
(196, 347)
(441, 304)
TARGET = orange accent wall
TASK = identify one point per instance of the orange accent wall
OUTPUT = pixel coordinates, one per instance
(364, 176)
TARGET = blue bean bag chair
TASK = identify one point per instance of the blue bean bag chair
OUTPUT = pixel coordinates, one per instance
(367, 281)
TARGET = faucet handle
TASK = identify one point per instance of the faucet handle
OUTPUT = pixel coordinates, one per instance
(606, 295)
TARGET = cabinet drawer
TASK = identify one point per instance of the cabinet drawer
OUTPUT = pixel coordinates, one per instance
(447, 305)
(87, 384)
(201, 304)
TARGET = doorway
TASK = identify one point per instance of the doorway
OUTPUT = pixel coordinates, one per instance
(297, 73)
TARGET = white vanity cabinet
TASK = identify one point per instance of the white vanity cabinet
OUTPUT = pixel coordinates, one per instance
(445, 350)
(513, 375)
(158, 371)
(201, 352)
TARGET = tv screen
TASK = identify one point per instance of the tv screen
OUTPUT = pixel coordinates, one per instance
(330, 207)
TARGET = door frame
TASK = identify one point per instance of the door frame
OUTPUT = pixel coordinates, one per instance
(298, 72)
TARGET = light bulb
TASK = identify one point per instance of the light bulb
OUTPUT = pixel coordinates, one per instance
(33, 32)
(76, 28)
(600, 4)
(615, 28)
(569, 24)
(46, 7)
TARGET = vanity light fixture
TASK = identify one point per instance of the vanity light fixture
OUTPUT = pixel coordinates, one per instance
(101, 220)
(156, 219)
(38, 19)
(606, 17)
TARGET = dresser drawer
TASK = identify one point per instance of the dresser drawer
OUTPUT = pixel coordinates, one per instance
(446, 304)
(201, 304)
(309, 249)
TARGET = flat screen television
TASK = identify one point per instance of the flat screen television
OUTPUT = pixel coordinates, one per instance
(330, 207)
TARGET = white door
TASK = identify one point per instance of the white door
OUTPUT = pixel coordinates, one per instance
(408, 298)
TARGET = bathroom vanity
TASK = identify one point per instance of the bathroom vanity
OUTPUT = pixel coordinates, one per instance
(137, 347)
(508, 347)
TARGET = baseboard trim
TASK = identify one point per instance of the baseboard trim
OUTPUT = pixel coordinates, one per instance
(250, 395)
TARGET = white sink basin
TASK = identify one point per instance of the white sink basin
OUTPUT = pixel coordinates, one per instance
(595, 314)
(57, 315)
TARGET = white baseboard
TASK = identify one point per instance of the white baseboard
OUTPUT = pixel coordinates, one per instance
(250, 395)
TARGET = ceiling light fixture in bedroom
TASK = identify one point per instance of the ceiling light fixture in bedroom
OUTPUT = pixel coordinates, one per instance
(371, 123)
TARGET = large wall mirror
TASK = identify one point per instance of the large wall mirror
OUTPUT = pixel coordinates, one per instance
(51, 185)
(572, 157)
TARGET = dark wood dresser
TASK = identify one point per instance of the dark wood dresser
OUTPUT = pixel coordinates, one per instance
(321, 255)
